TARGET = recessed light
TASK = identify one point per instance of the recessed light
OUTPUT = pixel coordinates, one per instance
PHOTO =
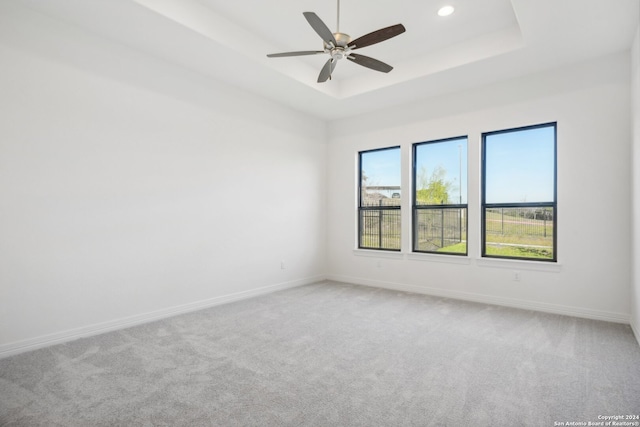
(446, 10)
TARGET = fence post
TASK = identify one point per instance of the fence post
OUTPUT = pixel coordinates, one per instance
(442, 228)
(380, 224)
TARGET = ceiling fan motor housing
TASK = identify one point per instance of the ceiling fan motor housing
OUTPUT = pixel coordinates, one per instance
(341, 50)
(342, 39)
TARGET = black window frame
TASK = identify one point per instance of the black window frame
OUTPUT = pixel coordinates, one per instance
(382, 209)
(415, 208)
(552, 204)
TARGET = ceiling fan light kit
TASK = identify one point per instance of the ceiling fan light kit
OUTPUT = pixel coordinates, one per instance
(339, 45)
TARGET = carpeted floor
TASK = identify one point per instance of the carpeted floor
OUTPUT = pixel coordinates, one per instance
(332, 354)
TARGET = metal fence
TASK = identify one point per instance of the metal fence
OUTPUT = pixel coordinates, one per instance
(439, 228)
(536, 221)
(380, 229)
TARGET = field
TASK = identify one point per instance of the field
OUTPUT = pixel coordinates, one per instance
(511, 233)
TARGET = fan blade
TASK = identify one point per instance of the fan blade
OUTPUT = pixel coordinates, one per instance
(377, 36)
(319, 27)
(374, 64)
(301, 53)
(327, 70)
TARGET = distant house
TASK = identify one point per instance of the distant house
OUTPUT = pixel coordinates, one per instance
(381, 195)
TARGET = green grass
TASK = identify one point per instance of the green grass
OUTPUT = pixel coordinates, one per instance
(520, 252)
(517, 237)
(458, 248)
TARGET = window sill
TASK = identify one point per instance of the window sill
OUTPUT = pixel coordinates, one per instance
(449, 259)
(378, 253)
(462, 260)
(519, 264)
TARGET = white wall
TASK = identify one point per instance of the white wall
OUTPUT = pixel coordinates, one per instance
(635, 111)
(590, 101)
(131, 189)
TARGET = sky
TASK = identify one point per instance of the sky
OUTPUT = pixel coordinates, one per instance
(450, 156)
(520, 165)
(382, 167)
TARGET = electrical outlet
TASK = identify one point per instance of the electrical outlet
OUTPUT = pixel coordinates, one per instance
(379, 264)
(516, 276)
(281, 265)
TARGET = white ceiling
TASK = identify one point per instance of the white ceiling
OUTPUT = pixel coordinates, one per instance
(484, 41)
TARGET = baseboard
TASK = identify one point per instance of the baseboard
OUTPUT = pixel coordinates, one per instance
(636, 331)
(487, 299)
(23, 346)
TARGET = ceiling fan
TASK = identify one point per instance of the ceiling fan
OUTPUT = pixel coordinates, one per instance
(339, 45)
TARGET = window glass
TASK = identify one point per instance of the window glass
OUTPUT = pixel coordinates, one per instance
(379, 222)
(520, 166)
(519, 193)
(440, 196)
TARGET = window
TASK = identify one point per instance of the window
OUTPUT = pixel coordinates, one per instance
(519, 193)
(379, 199)
(440, 196)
